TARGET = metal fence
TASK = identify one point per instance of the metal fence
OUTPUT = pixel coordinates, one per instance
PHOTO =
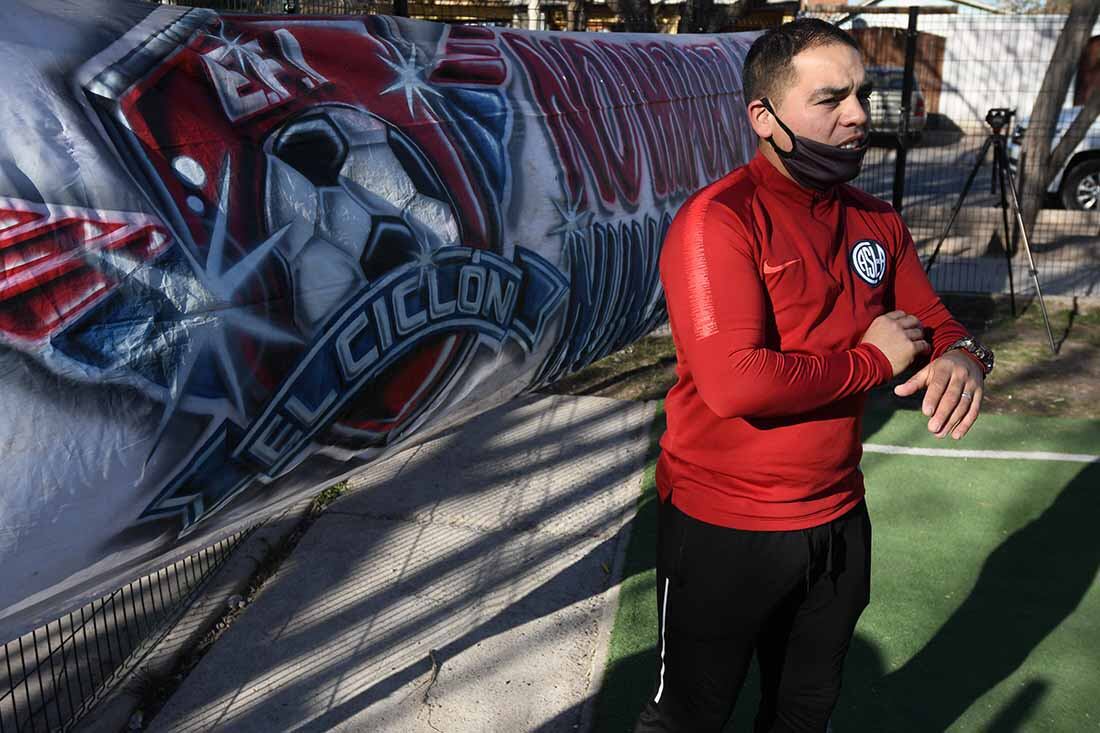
(312, 7)
(52, 676)
(485, 12)
(962, 66)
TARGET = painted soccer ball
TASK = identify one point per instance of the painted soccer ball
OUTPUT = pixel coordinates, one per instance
(360, 201)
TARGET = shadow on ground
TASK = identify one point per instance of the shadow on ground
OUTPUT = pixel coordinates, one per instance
(461, 591)
(1027, 587)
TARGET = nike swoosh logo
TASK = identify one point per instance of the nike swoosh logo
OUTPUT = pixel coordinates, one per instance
(771, 270)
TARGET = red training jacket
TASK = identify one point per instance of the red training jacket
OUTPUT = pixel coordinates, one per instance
(770, 287)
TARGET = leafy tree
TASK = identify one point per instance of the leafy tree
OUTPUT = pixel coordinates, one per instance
(1036, 6)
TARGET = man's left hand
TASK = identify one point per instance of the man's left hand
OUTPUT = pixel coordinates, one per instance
(953, 397)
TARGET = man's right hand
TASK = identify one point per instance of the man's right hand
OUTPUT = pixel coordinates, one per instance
(899, 336)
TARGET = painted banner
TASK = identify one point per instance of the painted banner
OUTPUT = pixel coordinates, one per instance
(243, 256)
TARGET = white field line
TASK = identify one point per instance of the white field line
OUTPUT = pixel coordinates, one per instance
(1004, 455)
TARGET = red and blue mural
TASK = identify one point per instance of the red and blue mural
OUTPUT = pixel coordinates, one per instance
(244, 256)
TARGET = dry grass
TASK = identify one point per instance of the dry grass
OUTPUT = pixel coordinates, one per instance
(1028, 379)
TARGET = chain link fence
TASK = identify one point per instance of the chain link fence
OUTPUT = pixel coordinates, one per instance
(502, 13)
(962, 67)
(310, 7)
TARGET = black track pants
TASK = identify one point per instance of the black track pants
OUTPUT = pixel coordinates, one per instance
(793, 598)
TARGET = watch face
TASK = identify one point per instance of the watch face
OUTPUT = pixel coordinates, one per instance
(981, 353)
(985, 356)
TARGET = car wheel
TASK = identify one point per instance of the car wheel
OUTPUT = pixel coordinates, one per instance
(1081, 186)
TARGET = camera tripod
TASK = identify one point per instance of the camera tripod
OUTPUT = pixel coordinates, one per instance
(998, 119)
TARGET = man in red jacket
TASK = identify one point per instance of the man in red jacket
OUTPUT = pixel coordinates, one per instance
(790, 295)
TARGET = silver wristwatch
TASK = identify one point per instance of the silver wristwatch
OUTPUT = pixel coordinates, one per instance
(979, 352)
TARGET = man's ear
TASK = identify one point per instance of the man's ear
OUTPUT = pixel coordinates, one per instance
(761, 119)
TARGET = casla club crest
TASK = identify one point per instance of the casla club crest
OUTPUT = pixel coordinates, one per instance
(868, 260)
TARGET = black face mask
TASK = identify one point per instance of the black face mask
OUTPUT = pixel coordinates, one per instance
(817, 165)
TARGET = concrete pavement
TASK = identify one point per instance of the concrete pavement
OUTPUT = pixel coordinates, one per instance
(466, 585)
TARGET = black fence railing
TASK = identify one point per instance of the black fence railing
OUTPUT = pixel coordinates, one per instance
(312, 7)
(52, 676)
(485, 12)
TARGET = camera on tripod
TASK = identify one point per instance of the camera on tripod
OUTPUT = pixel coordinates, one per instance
(999, 118)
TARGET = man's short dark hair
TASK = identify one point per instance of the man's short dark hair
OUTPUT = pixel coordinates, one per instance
(768, 70)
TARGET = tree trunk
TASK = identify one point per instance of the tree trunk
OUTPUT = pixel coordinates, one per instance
(1075, 133)
(696, 17)
(575, 17)
(704, 16)
(637, 16)
(1036, 163)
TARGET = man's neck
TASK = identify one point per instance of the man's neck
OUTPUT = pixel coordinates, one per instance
(768, 152)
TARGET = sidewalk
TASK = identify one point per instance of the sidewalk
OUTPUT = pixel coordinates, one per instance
(466, 585)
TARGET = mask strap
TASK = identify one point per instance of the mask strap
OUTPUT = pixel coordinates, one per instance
(794, 143)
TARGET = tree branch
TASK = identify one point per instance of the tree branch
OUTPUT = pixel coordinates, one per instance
(1074, 134)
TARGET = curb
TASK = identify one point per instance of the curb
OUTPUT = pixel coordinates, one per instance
(598, 669)
(117, 709)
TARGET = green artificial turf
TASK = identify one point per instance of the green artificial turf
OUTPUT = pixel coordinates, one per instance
(985, 611)
(630, 672)
(990, 432)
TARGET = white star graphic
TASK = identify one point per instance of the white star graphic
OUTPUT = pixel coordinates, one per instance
(209, 322)
(574, 221)
(410, 79)
(425, 262)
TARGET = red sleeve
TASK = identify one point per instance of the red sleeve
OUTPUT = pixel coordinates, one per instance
(914, 295)
(717, 310)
